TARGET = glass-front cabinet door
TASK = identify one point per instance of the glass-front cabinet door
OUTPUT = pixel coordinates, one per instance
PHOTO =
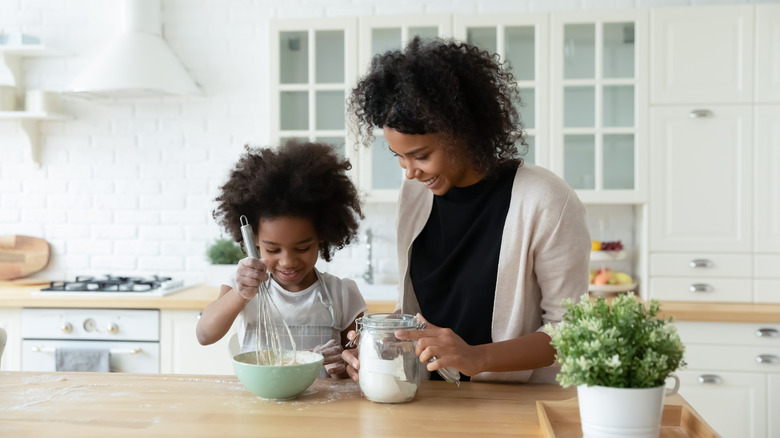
(315, 70)
(599, 101)
(380, 175)
(521, 40)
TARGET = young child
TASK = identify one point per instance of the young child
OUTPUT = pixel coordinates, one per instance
(300, 203)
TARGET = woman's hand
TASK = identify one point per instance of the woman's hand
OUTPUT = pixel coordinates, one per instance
(351, 358)
(445, 348)
(249, 274)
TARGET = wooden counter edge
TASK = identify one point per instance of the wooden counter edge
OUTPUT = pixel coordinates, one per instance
(197, 297)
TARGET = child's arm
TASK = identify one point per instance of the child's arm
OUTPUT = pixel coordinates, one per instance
(217, 318)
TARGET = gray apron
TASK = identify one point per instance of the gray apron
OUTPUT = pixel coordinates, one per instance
(307, 336)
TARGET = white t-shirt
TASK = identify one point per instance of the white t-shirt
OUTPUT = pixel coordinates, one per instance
(308, 307)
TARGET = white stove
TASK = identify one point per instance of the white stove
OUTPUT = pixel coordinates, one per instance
(113, 286)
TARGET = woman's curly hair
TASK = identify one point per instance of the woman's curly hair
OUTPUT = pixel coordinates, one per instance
(447, 87)
(304, 180)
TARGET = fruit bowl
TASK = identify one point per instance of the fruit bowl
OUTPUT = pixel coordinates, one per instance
(278, 382)
(607, 289)
(607, 256)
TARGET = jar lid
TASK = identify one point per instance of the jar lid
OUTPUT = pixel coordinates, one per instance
(388, 321)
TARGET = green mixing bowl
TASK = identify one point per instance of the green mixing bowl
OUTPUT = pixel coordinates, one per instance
(278, 382)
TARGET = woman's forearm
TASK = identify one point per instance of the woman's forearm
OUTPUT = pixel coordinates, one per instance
(527, 352)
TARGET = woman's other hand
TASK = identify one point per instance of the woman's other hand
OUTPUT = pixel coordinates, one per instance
(350, 356)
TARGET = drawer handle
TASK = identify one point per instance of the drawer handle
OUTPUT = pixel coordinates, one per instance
(700, 287)
(710, 378)
(700, 113)
(767, 358)
(767, 332)
(700, 263)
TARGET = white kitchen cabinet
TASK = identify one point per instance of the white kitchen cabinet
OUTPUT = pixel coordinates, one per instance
(731, 375)
(11, 58)
(522, 41)
(314, 68)
(701, 186)
(767, 177)
(598, 103)
(11, 322)
(180, 352)
(702, 54)
(601, 64)
(732, 403)
(773, 404)
(702, 277)
(767, 53)
(766, 278)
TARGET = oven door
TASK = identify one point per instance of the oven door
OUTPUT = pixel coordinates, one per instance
(124, 357)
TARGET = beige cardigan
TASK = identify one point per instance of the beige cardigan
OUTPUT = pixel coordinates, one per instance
(544, 257)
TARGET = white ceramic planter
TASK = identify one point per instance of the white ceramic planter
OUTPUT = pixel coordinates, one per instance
(622, 412)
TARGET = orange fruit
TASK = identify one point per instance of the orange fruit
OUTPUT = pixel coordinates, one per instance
(595, 245)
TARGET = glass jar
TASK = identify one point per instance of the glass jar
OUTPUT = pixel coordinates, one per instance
(389, 368)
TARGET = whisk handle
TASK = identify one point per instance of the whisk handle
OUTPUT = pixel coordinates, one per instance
(249, 238)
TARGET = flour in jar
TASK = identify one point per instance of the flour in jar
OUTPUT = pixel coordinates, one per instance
(384, 381)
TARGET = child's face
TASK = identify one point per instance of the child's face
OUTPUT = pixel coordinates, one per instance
(425, 159)
(290, 246)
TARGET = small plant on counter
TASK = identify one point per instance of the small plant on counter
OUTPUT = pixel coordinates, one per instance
(618, 345)
(224, 252)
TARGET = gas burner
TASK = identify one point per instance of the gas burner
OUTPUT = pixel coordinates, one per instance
(116, 284)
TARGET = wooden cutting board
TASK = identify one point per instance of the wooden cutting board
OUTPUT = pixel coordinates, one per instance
(21, 256)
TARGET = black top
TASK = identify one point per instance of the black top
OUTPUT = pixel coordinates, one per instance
(454, 260)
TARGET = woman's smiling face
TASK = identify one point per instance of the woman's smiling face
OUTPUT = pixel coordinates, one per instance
(425, 159)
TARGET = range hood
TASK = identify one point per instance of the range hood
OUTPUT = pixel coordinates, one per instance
(137, 63)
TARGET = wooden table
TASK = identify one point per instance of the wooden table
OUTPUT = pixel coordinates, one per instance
(141, 405)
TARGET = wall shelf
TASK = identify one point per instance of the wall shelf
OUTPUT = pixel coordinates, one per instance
(29, 124)
(11, 56)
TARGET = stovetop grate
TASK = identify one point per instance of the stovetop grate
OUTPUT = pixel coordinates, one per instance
(108, 284)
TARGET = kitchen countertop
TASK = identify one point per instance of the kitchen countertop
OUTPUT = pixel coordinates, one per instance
(133, 405)
(18, 294)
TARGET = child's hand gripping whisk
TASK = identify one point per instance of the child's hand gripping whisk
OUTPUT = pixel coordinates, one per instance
(269, 319)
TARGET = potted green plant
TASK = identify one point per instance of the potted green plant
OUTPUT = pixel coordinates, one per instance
(619, 355)
(223, 255)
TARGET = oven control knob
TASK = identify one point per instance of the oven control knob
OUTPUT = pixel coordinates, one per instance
(66, 327)
(90, 325)
(113, 328)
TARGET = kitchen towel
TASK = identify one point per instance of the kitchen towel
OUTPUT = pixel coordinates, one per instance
(82, 359)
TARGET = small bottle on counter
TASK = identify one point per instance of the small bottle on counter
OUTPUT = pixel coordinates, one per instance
(389, 368)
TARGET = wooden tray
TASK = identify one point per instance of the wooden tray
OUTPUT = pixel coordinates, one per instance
(561, 419)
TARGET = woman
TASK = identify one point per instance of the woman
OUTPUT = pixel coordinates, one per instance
(488, 246)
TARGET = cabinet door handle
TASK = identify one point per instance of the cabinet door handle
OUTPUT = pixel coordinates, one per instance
(700, 113)
(700, 287)
(767, 332)
(767, 358)
(700, 263)
(710, 378)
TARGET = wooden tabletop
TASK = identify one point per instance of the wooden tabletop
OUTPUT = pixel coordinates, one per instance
(78, 405)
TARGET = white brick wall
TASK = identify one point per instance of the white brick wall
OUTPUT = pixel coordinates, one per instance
(127, 188)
